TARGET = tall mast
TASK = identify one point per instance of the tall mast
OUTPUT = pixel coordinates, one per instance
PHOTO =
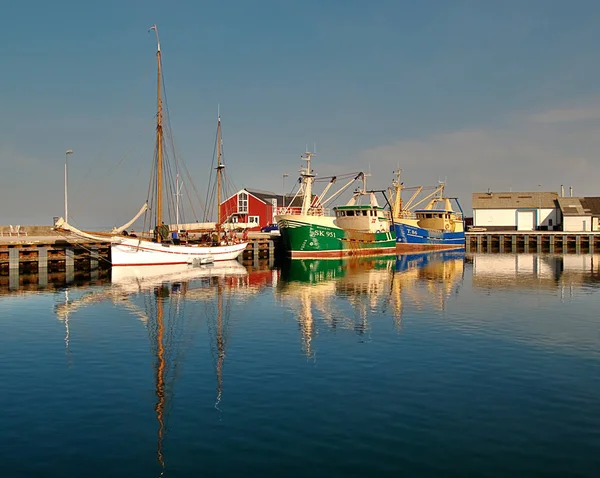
(220, 167)
(159, 136)
(307, 178)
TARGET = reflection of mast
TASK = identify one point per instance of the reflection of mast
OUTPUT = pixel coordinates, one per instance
(220, 343)
(395, 299)
(218, 324)
(160, 380)
(307, 323)
(67, 333)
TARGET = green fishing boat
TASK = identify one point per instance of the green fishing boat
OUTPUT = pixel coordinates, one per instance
(354, 229)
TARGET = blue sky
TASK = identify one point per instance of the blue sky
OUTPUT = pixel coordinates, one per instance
(501, 95)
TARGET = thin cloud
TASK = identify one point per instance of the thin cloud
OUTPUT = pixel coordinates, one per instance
(567, 115)
(521, 156)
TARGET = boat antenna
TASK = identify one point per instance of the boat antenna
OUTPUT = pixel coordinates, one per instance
(155, 28)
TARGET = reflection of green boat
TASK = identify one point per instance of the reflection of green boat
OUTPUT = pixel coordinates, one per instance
(318, 270)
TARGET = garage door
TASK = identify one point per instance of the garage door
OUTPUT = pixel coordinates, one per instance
(525, 220)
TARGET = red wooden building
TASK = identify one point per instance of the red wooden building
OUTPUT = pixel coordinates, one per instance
(254, 209)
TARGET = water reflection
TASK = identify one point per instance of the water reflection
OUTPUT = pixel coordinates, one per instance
(369, 285)
(535, 271)
(517, 361)
(166, 294)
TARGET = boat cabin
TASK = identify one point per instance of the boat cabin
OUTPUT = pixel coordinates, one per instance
(437, 219)
(366, 218)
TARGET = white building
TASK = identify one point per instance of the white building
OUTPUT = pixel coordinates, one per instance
(516, 211)
(579, 214)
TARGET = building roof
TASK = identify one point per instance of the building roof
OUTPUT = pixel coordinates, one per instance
(591, 204)
(267, 196)
(585, 206)
(514, 200)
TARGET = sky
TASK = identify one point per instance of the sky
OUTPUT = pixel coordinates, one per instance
(483, 95)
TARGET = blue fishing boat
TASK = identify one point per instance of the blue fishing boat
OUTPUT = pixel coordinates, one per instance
(439, 224)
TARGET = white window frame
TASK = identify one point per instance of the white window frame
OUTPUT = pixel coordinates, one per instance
(242, 203)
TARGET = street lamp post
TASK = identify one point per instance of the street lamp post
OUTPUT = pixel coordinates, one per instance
(540, 218)
(284, 176)
(69, 151)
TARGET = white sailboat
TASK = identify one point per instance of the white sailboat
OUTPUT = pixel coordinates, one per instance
(157, 248)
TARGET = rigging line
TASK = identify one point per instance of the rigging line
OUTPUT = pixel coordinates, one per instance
(127, 109)
(211, 206)
(232, 188)
(210, 176)
(186, 175)
(172, 142)
(88, 191)
(65, 235)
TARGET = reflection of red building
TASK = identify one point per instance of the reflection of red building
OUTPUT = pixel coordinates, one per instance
(255, 208)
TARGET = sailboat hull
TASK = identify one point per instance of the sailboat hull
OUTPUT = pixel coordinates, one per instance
(136, 252)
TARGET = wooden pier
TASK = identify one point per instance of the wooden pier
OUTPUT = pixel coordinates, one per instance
(560, 242)
(46, 251)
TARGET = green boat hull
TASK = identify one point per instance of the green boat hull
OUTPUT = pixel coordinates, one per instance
(303, 239)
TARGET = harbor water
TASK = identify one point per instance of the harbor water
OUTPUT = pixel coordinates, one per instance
(434, 364)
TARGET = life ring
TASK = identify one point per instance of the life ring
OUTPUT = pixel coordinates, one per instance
(447, 227)
(377, 231)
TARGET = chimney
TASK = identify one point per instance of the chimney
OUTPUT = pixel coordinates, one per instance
(571, 191)
(562, 191)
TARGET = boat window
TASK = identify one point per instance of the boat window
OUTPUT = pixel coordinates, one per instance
(350, 213)
(364, 213)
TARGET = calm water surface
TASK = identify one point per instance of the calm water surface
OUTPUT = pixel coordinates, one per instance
(426, 365)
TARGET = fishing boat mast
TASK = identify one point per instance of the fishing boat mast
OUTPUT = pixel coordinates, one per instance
(159, 135)
(307, 178)
(397, 194)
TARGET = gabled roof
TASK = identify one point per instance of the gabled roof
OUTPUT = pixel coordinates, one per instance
(514, 200)
(264, 196)
(267, 196)
(586, 206)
